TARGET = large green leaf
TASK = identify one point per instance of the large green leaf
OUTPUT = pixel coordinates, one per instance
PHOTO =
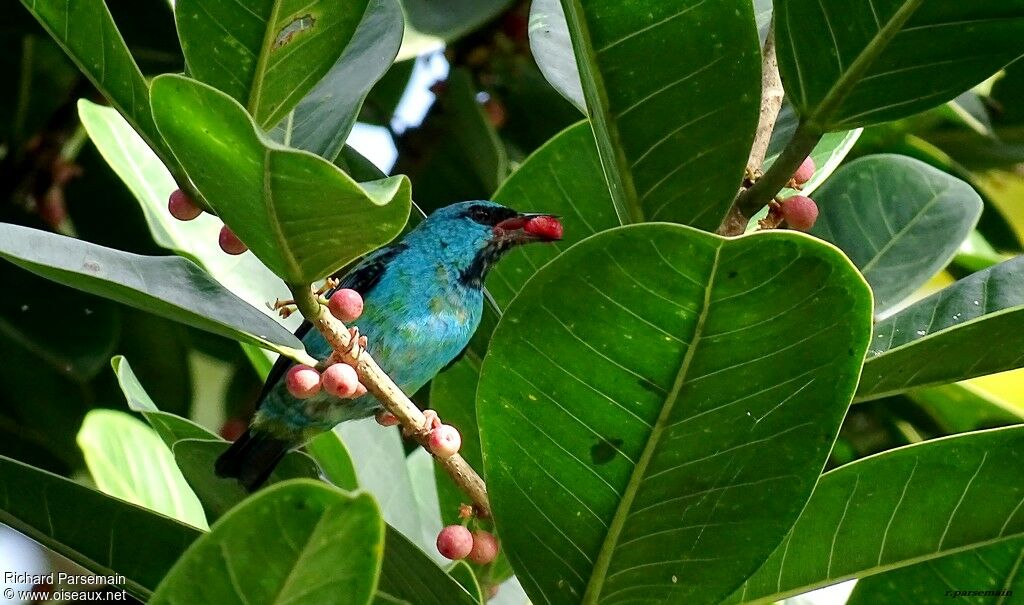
(551, 45)
(128, 460)
(849, 64)
(301, 215)
(324, 118)
(962, 407)
(172, 287)
(563, 177)
(993, 569)
(673, 395)
(409, 577)
(86, 31)
(982, 573)
(899, 508)
(298, 542)
(673, 136)
(170, 427)
(147, 178)
(968, 329)
(102, 534)
(196, 459)
(266, 54)
(898, 219)
(456, 18)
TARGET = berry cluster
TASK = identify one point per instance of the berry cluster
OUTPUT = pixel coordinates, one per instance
(799, 212)
(457, 542)
(183, 208)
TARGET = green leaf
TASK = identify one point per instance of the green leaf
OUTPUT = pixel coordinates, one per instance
(563, 177)
(674, 136)
(993, 568)
(950, 335)
(98, 532)
(675, 395)
(324, 118)
(551, 46)
(409, 577)
(301, 215)
(128, 460)
(170, 427)
(333, 457)
(299, 542)
(853, 64)
(472, 131)
(147, 178)
(899, 508)
(378, 456)
(456, 18)
(898, 219)
(171, 287)
(960, 408)
(196, 459)
(87, 33)
(266, 54)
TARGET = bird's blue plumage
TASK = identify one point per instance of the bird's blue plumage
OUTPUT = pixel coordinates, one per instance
(423, 300)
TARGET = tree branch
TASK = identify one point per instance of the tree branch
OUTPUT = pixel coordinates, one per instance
(772, 94)
(388, 394)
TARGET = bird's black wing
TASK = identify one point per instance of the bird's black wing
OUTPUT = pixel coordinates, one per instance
(362, 278)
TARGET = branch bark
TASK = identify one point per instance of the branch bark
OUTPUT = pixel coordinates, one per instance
(772, 94)
(388, 394)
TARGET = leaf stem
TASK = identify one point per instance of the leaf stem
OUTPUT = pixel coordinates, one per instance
(766, 187)
(390, 396)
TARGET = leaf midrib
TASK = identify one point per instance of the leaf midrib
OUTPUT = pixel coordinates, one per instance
(848, 79)
(607, 552)
(606, 134)
(287, 256)
(256, 89)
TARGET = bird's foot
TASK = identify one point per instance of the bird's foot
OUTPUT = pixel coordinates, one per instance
(750, 176)
(430, 422)
(357, 344)
(284, 308)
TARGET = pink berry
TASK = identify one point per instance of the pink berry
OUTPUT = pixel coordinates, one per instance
(230, 243)
(485, 547)
(800, 212)
(445, 441)
(181, 206)
(386, 418)
(341, 380)
(454, 542)
(346, 305)
(805, 171)
(302, 381)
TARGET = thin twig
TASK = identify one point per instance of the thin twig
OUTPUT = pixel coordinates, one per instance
(772, 94)
(378, 383)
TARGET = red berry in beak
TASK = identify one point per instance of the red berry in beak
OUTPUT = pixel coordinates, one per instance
(545, 227)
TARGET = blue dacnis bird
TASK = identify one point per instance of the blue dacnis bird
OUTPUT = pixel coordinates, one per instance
(423, 299)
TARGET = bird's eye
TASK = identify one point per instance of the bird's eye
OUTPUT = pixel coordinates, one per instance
(479, 214)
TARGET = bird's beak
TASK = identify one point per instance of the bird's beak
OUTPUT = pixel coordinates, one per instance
(530, 227)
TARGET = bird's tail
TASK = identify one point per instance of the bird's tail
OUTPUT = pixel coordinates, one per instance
(252, 458)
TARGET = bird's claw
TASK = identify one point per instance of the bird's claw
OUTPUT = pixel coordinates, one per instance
(430, 422)
(357, 343)
(284, 308)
